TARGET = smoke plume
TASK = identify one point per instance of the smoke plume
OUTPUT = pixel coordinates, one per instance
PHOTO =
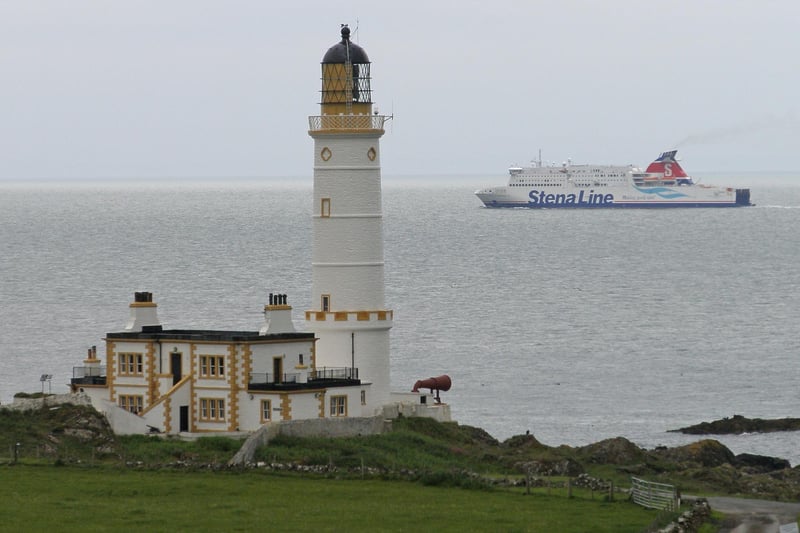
(768, 124)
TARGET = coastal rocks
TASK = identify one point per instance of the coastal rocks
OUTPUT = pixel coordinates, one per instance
(705, 453)
(522, 442)
(760, 464)
(551, 467)
(617, 451)
(25, 402)
(739, 424)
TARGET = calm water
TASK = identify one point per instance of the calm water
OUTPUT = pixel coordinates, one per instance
(575, 325)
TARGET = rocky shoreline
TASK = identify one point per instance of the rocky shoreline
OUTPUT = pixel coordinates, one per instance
(71, 433)
(739, 424)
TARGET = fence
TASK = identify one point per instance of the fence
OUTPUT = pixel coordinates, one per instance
(655, 495)
(80, 372)
(346, 122)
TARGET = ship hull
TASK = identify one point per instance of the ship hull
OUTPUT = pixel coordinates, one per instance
(613, 198)
(626, 196)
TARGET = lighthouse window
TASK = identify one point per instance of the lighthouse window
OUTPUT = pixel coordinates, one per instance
(212, 366)
(212, 409)
(325, 208)
(131, 403)
(326, 303)
(338, 405)
(130, 364)
(266, 410)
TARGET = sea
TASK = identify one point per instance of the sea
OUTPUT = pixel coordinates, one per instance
(573, 325)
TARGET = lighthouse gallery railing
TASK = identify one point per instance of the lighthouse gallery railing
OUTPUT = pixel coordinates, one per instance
(346, 122)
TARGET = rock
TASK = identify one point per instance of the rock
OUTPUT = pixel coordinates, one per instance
(760, 464)
(617, 451)
(705, 453)
(551, 467)
(739, 424)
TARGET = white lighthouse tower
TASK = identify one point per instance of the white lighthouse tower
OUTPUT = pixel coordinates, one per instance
(348, 314)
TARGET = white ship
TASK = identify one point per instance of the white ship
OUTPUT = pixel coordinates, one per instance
(663, 184)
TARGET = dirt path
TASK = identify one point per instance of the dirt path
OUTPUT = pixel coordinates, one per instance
(756, 516)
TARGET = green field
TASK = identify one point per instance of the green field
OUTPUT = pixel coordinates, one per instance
(45, 497)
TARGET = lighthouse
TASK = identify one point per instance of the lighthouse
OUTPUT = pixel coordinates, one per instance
(348, 313)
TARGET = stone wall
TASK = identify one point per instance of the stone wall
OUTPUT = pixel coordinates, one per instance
(29, 404)
(690, 521)
(317, 427)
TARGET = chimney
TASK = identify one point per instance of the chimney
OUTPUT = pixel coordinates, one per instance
(278, 314)
(143, 312)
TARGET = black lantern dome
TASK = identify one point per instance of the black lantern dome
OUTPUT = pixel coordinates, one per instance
(338, 53)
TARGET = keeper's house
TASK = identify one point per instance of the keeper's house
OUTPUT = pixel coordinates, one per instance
(194, 381)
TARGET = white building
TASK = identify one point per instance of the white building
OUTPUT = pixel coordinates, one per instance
(194, 381)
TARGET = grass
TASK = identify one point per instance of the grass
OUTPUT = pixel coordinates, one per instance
(73, 473)
(400, 449)
(40, 498)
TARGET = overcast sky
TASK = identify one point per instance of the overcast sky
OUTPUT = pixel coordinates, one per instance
(200, 88)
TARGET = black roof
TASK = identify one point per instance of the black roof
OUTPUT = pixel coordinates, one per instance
(199, 335)
(338, 52)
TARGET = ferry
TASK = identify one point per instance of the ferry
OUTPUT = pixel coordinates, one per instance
(663, 184)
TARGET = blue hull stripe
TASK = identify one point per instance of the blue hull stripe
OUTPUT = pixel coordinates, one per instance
(615, 205)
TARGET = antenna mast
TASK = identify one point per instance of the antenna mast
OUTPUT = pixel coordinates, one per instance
(348, 73)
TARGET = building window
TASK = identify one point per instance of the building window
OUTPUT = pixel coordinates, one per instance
(130, 364)
(212, 366)
(266, 410)
(212, 409)
(325, 207)
(338, 405)
(326, 302)
(300, 359)
(131, 403)
(363, 397)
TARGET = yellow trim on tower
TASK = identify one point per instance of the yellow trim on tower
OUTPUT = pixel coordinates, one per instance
(342, 316)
